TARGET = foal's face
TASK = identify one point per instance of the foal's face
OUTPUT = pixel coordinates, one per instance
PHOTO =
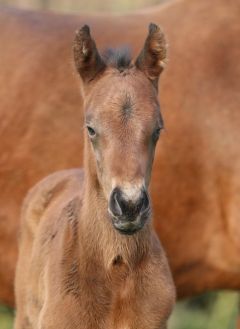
(123, 124)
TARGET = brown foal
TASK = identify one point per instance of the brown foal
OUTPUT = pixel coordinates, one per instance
(89, 257)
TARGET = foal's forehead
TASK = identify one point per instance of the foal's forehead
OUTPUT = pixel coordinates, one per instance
(123, 93)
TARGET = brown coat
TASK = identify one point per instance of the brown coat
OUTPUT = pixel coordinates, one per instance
(196, 176)
(88, 256)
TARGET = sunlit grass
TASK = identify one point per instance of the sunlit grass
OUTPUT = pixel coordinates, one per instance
(6, 317)
(210, 311)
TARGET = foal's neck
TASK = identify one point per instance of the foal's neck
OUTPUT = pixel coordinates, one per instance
(98, 238)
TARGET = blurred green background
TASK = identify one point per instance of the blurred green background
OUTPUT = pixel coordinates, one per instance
(83, 5)
(214, 310)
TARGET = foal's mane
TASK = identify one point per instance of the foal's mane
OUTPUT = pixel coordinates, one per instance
(119, 58)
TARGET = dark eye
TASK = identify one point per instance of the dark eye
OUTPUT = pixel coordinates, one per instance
(91, 131)
(156, 134)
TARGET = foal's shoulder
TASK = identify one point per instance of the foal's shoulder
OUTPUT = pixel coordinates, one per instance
(65, 184)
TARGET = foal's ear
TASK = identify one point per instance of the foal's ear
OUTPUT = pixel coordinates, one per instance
(87, 59)
(153, 56)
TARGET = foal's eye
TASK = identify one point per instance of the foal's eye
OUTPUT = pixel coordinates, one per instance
(91, 131)
(156, 134)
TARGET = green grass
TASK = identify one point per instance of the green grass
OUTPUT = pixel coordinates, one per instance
(6, 317)
(216, 310)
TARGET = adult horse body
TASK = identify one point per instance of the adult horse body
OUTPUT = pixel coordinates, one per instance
(196, 177)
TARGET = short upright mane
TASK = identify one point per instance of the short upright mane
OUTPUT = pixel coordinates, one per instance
(119, 58)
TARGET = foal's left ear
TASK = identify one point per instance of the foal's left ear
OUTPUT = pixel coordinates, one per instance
(153, 56)
(87, 59)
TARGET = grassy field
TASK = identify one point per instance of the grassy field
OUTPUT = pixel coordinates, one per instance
(6, 317)
(209, 311)
(216, 310)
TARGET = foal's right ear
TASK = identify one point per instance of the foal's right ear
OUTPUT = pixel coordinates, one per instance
(87, 59)
(153, 56)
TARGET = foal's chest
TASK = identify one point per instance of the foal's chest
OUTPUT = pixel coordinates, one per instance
(114, 301)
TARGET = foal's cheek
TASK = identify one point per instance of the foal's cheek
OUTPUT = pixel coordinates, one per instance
(151, 153)
(98, 157)
(100, 164)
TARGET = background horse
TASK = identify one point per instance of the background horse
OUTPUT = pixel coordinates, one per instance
(196, 177)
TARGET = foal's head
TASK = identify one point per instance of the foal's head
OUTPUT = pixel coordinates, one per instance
(123, 122)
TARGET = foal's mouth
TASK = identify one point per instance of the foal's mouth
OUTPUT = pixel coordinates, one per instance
(129, 226)
(129, 229)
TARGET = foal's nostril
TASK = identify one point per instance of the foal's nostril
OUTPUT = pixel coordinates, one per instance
(144, 202)
(114, 205)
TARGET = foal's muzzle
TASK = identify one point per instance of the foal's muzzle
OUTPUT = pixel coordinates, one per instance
(128, 216)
